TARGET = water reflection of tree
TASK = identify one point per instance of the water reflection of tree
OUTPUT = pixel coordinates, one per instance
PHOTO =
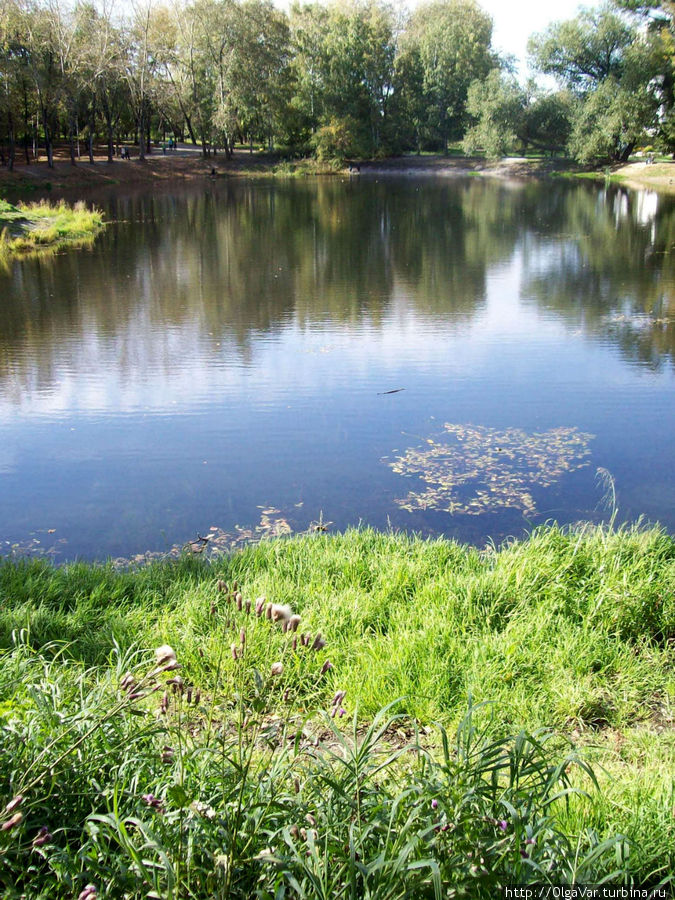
(236, 260)
(610, 269)
(206, 271)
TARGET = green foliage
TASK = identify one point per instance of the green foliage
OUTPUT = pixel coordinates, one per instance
(548, 120)
(497, 103)
(233, 778)
(339, 140)
(612, 69)
(609, 122)
(450, 42)
(583, 51)
(114, 784)
(34, 226)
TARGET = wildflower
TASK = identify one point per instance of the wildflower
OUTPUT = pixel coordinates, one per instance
(222, 862)
(268, 611)
(164, 705)
(502, 824)
(213, 609)
(326, 666)
(14, 802)
(203, 809)
(153, 802)
(247, 606)
(293, 622)
(89, 893)
(259, 606)
(189, 695)
(339, 697)
(294, 830)
(235, 653)
(127, 681)
(165, 655)
(177, 684)
(310, 819)
(242, 637)
(277, 668)
(296, 785)
(235, 586)
(240, 600)
(319, 642)
(434, 803)
(294, 643)
(43, 837)
(167, 754)
(287, 694)
(10, 823)
(198, 697)
(342, 712)
(280, 613)
(221, 585)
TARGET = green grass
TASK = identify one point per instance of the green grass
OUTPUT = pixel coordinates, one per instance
(37, 226)
(567, 630)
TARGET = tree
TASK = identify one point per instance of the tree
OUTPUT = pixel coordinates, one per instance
(498, 105)
(610, 68)
(452, 41)
(582, 52)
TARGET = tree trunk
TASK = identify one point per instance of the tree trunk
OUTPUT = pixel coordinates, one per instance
(10, 124)
(92, 126)
(25, 124)
(141, 135)
(71, 137)
(48, 140)
(190, 130)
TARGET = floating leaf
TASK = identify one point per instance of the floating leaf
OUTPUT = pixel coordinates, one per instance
(484, 469)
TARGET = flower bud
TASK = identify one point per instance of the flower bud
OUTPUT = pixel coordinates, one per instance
(14, 802)
(10, 823)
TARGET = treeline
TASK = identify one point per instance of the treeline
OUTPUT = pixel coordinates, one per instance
(350, 79)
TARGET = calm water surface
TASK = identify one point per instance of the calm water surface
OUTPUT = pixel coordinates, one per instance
(225, 350)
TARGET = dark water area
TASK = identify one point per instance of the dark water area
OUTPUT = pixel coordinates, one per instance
(221, 359)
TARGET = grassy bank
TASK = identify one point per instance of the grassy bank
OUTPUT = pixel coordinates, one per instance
(230, 777)
(37, 226)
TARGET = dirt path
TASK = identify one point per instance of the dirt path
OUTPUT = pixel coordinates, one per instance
(658, 177)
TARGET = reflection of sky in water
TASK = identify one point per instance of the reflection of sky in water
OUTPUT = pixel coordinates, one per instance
(184, 386)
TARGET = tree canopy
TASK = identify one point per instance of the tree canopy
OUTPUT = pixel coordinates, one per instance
(352, 78)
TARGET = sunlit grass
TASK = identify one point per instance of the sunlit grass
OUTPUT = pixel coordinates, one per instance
(569, 629)
(36, 226)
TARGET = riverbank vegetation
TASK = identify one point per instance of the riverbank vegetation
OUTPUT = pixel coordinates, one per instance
(338, 81)
(37, 226)
(216, 726)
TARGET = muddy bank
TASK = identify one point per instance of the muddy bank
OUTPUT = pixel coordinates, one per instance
(188, 164)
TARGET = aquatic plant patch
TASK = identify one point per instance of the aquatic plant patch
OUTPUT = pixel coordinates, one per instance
(475, 469)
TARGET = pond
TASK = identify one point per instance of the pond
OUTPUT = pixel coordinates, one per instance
(242, 358)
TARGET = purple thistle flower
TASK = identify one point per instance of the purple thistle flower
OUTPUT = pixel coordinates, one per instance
(42, 837)
(434, 803)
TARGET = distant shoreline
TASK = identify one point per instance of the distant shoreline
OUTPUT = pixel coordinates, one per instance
(187, 164)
